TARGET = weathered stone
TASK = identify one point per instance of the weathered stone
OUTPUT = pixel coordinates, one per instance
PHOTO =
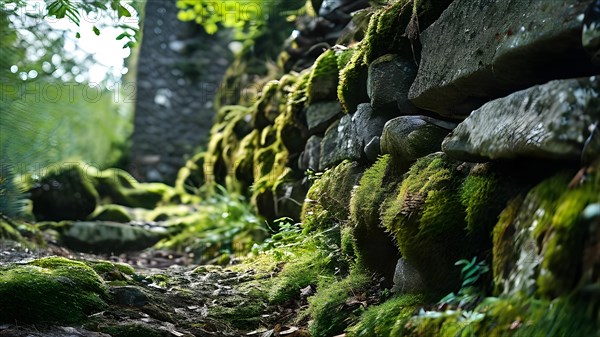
(309, 159)
(591, 31)
(368, 123)
(408, 138)
(110, 237)
(320, 115)
(373, 149)
(129, 296)
(340, 142)
(407, 279)
(389, 81)
(529, 42)
(546, 121)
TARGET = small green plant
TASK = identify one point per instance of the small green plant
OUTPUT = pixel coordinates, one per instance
(313, 175)
(470, 291)
(288, 235)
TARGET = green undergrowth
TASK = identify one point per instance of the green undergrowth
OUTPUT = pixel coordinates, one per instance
(223, 224)
(50, 289)
(389, 318)
(337, 304)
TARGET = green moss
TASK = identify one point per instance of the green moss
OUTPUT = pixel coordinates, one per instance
(114, 213)
(352, 86)
(327, 308)
(427, 220)
(50, 290)
(387, 319)
(374, 247)
(504, 254)
(385, 33)
(111, 271)
(9, 232)
(561, 230)
(190, 177)
(306, 269)
(262, 114)
(64, 192)
(323, 80)
(116, 186)
(513, 316)
(243, 159)
(327, 201)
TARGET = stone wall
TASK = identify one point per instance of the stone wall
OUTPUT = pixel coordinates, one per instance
(179, 71)
(441, 135)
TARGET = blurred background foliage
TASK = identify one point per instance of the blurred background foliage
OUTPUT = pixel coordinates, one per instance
(52, 108)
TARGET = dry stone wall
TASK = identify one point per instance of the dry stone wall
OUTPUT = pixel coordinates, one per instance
(442, 134)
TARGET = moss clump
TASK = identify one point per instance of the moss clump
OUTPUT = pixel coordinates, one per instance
(323, 80)
(327, 201)
(374, 247)
(352, 86)
(52, 290)
(190, 178)
(244, 162)
(427, 220)
(111, 271)
(114, 213)
(329, 308)
(504, 254)
(9, 232)
(387, 319)
(64, 192)
(116, 186)
(512, 316)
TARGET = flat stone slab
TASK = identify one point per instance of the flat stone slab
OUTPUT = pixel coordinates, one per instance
(468, 58)
(340, 142)
(388, 83)
(322, 114)
(551, 121)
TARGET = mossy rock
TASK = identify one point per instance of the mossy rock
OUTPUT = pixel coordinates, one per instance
(9, 232)
(427, 220)
(375, 248)
(50, 290)
(111, 271)
(244, 160)
(323, 80)
(116, 186)
(352, 86)
(332, 308)
(265, 109)
(540, 244)
(328, 200)
(64, 192)
(387, 319)
(191, 176)
(512, 316)
(116, 213)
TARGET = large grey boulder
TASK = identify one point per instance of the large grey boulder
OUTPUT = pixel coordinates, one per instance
(339, 143)
(368, 124)
(408, 138)
(309, 158)
(484, 49)
(388, 83)
(552, 121)
(320, 115)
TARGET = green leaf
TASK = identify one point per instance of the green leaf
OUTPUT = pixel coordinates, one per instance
(123, 35)
(122, 11)
(129, 44)
(96, 30)
(78, 35)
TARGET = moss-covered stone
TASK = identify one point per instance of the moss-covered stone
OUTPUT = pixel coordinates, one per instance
(328, 200)
(190, 178)
(116, 186)
(52, 290)
(387, 319)
(352, 86)
(332, 308)
(64, 192)
(512, 316)
(375, 248)
(264, 110)
(111, 271)
(427, 220)
(116, 213)
(548, 231)
(323, 80)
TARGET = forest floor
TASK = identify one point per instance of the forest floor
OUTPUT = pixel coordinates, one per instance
(169, 296)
